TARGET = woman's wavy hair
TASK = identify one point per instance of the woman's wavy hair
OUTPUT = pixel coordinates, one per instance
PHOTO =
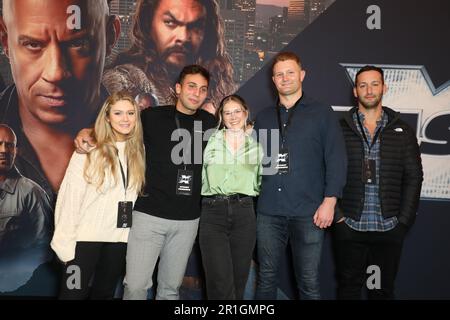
(236, 98)
(212, 53)
(102, 161)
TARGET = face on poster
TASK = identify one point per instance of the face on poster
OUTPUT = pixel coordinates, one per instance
(58, 71)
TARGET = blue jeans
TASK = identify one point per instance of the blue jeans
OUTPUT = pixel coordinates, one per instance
(273, 234)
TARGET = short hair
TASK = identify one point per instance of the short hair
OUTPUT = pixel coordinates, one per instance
(369, 68)
(193, 69)
(235, 98)
(285, 55)
(3, 125)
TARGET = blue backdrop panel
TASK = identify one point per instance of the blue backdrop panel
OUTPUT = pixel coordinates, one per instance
(412, 46)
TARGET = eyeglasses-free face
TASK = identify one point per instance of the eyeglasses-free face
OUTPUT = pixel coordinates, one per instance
(122, 118)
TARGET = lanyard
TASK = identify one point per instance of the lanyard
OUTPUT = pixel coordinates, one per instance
(185, 156)
(124, 178)
(280, 126)
(364, 134)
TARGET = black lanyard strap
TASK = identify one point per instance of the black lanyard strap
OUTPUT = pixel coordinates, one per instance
(124, 178)
(375, 137)
(282, 128)
(185, 156)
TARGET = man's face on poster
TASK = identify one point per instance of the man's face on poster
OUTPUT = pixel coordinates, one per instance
(178, 29)
(7, 149)
(56, 66)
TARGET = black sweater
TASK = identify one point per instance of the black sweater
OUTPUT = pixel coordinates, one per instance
(401, 172)
(160, 198)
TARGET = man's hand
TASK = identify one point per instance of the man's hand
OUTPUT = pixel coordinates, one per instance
(323, 218)
(84, 141)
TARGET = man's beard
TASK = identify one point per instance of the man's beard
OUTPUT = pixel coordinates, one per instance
(7, 165)
(370, 105)
(185, 49)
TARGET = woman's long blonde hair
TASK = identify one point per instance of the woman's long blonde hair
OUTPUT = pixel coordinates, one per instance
(102, 161)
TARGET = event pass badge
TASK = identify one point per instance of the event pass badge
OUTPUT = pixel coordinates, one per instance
(283, 161)
(369, 171)
(185, 182)
(124, 216)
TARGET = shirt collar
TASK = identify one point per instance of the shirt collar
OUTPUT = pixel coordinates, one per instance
(9, 185)
(298, 102)
(362, 117)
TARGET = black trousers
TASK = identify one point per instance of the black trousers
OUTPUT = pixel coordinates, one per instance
(355, 251)
(227, 236)
(103, 260)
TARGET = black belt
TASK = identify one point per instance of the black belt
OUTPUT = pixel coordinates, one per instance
(231, 197)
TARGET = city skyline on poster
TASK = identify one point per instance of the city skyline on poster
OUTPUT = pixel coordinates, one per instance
(254, 30)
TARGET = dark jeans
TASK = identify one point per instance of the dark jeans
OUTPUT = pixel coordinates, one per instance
(227, 236)
(105, 259)
(273, 234)
(355, 251)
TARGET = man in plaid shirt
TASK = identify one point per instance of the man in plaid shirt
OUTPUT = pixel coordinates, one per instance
(382, 193)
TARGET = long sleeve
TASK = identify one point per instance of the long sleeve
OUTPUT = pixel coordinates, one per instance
(39, 217)
(67, 210)
(228, 173)
(260, 166)
(335, 156)
(412, 181)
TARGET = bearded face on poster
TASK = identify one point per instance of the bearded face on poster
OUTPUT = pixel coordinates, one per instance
(166, 36)
(56, 52)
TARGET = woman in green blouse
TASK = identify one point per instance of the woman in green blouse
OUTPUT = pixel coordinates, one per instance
(231, 178)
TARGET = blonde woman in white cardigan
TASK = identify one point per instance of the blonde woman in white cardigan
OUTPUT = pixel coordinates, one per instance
(93, 209)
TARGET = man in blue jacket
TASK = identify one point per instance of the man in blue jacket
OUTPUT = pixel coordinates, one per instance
(299, 193)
